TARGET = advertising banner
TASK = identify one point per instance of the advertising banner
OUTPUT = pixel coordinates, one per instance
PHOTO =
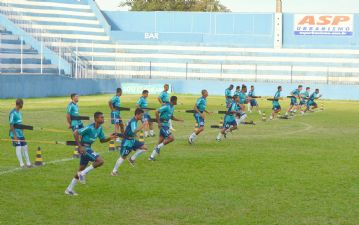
(323, 24)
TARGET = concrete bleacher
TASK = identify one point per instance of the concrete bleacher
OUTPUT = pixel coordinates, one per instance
(80, 26)
(21, 58)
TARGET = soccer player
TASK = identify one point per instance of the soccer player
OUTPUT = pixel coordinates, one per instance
(73, 110)
(228, 96)
(163, 115)
(129, 142)
(276, 106)
(200, 109)
(303, 99)
(146, 120)
(295, 94)
(243, 97)
(311, 104)
(237, 91)
(114, 104)
(17, 135)
(163, 99)
(84, 138)
(230, 123)
(253, 102)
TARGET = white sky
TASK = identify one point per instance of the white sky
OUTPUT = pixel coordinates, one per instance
(301, 6)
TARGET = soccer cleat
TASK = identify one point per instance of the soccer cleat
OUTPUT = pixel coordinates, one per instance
(114, 174)
(69, 192)
(190, 141)
(29, 166)
(132, 162)
(218, 139)
(151, 159)
(82, 179)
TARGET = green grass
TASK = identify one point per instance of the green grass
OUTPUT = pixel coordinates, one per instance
(299, 171)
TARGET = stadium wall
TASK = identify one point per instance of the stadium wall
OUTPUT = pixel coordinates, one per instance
(237, 29)
(250, 30)
(30, 86)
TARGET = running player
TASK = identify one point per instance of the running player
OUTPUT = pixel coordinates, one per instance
(73, 110)
(303, 99)
(129, 143)
(163, 115)
(253, 102)
(311, 104)
(17, 135)
(199, 116)
(230, 123)
(146, 120)
(163, 99)
(276, 106)
(295, 95)
(243, 97)
(228, 96)
(115, 104)
(84, 138)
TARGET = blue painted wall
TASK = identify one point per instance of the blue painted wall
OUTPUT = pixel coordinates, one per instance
(43, 86)
(238, 29)
(226, 29)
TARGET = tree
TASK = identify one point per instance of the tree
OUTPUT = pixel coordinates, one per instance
(175, 5)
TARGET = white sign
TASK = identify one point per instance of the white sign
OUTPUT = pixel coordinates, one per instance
(323, 24)
(152, 36)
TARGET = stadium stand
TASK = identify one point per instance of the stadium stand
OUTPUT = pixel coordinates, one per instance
(81, 26)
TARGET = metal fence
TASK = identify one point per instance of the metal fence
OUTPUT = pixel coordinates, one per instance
(79, 64)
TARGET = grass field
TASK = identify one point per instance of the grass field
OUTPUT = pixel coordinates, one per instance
(299, 171)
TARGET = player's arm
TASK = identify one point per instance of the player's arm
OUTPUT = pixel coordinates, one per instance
(111, 137)
(77, 139)
(176, 119)
(158, 118)
(160, 100)
(111, 105)
(68, 120)
(134, 130)
(12, 128)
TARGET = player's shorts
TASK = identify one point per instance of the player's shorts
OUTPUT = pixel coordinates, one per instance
(228, 124)
(165, 131)
(199, 120)
(302, 102)
(276, 107)
(146, 118)
(253, 103)
(293, 101)
(116, 118)
(76, 127)
(90, 156)
(311, 103)
(21, 142)
(129, 145)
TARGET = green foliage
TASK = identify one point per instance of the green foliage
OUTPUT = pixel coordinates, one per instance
(175, 5)
(298, 171)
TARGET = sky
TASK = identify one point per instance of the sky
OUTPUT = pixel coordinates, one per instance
(297, 6)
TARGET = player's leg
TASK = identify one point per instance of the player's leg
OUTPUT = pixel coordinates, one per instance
(17, 145)
(200, 129)
(91, 156)
(70, 189)
(140, 148)
(166, 137)
(25, 152)
(126, 148)
(150, 125)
